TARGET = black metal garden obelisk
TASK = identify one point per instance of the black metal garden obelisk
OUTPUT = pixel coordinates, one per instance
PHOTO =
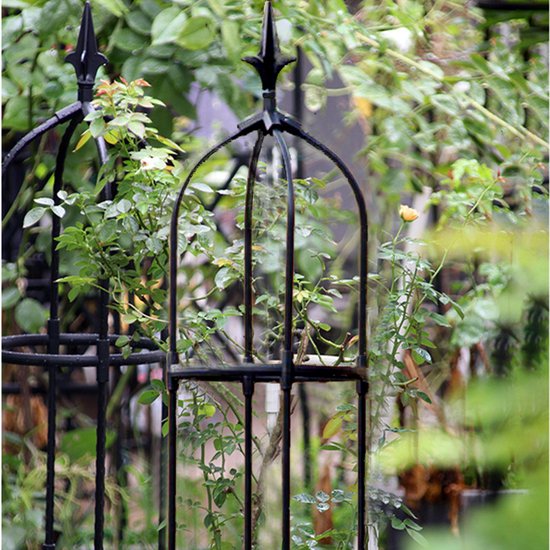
(270, 121)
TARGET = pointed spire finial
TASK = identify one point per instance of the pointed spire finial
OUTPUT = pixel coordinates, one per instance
(270, 61)
(86, 59)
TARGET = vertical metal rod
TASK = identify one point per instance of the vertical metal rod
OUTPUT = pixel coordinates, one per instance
(172, 439)
(120, 444)
(249, 203)
(287, 361)
(286, 468)
(162, 471)
(289, 268)
(102, 379)
(50, 464)
(102, 374)
(248, 391)
(162, 483)
(361, 457)
(53, 338)
(304, 404)
(163, 457)
(298, 104)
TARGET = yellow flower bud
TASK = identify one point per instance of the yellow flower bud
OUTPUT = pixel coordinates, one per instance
(407, 213)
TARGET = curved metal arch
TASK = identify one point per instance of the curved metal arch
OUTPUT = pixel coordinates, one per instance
(60, 117)
(56, 221)
(173, 244)
(363, 227)
(73, 114)
(362, 358)
(249, 203)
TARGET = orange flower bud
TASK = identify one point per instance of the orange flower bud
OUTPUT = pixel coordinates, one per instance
(141, 82)
(407, 213)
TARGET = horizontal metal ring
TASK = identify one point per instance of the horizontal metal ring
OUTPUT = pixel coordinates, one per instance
(153, 355)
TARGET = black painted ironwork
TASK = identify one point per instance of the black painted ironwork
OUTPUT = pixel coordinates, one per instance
(269, 62)
(86, 60)
(269, 122)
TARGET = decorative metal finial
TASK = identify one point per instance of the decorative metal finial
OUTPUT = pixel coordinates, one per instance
(270, 61)
(86, 59)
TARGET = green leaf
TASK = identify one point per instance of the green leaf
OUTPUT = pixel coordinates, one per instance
(481, 63)
(86, 135)
(223, 277)
(147, 397)
(305, 498)
(16, 114)
(332, 427)
(122, 341)
(54, 15)
(410, 524)
(129, 318)
(10, 296)
(445, 103)
(46, 201)
(206, 409)
(58, 210)
(139, 22)
(396, 523)
(423, 396)
(107, 231)
(219, 494)
(11, 29)
(30, 315)
(169, 143)
(167, 25)
(197, 33)
(129, 41)
(81, 443)
(231, 38)
(417, 537)
(116, 7)
(332, 446)
(111, 137)
(155, 66)
(202, 187)
(138, 128)
(96, 127)
(315, 97)
(420, 355)
(441, 320)
(157, 385)
(33, 216)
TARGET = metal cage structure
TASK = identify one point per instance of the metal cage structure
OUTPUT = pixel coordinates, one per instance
(269, 122)
(21, 349)
(86, 60)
